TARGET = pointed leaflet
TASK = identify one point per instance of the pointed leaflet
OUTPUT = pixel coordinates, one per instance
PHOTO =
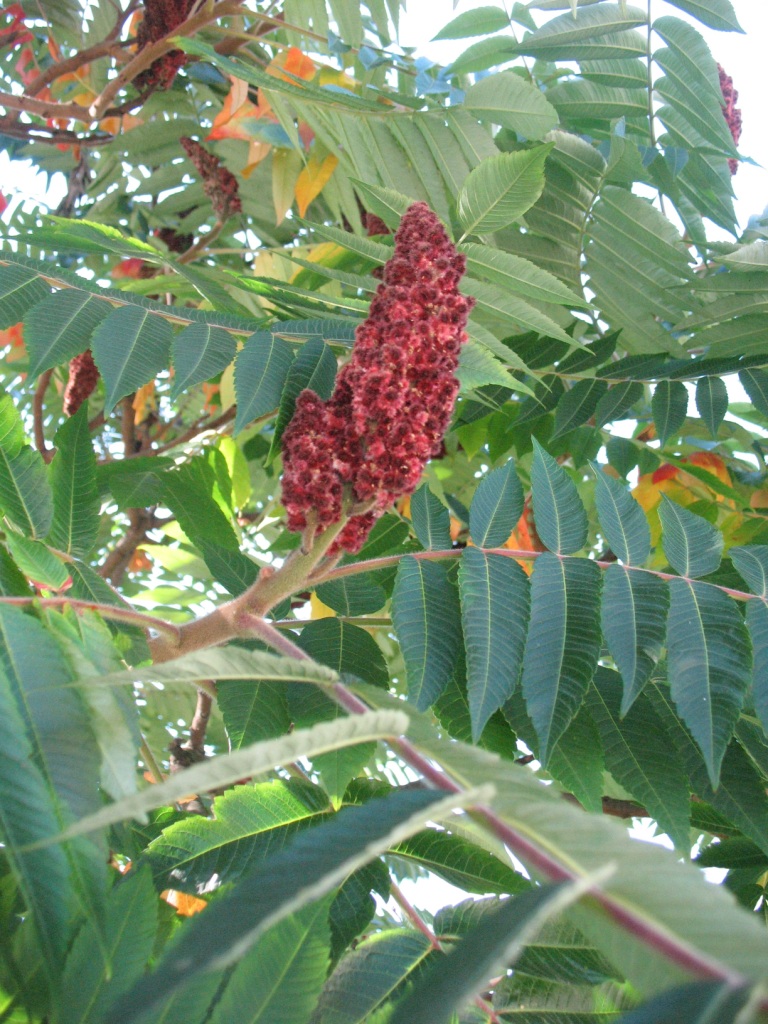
(314, 368)
(37, 562)
(717, 14)
(425, 613)
(353, 595)
(637, 754)
(479, 22)
(25, 495)
(95, 972)
(752, 563)
(312, 865)
(577, 762)
(188, 493)
(462, 863)
(561, 521)
(712, 402)
(578, 405)
(482, 953)
(20, 288)
(494, 614)
(72, 475)
(518, 275)
(346, 649)
(701, 1002)
(563, 643)
(496, 507)
(430, 519)
(511, 311)
(501, 189)
(692, 545)
(622, 520)
(508, 100)
(755, 383)
(60, 327)
(634, 620)
(252, 711)
(669, 407)
(279, 980)
(130, 347)
(616, 402)
(555, 36)
(709, 663)
(199, 353)
(261, 369)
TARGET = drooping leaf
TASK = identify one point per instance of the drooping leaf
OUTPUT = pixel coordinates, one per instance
(143, 350)
(199, 353)
(700, 1001)
(617, 401)
(752, 563)
(622, 520)
(431, 520)
(60, 327)
(426, 616)
(38, 563)
(669, 406)
(563, 643)
(501, 189)
(634, 620)
(25, 494)
(712, 402)
(577, 762)
(346, 649)
(21, 288)
(692, 545)
(578, 405)
(261, 370)
(189, 492)
(461, 862)
(709, 659)
(496, 507)
(561, 521)
(494, 612)
(755, 383)
(72, 477)
(518, 275)
(637, 754)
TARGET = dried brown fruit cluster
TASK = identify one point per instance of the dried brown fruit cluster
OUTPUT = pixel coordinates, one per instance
(731, 112)
(219, 184)
(83, 378)
(175, 241)
(368, 444)
(160, 18)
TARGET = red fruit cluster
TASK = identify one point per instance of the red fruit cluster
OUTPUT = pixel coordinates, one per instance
(160, 18)
(368, 444)
(83, 378)
(219, 184)
(175, 241)
(731, 112)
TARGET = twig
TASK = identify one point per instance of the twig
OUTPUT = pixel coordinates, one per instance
(202, 243)
(199, 722)
(148, 757)
(107, 611)
(38, 412)
(202, 426)
(51, 136)
(106, 48)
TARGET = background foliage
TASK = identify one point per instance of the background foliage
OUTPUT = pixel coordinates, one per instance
(215, 776)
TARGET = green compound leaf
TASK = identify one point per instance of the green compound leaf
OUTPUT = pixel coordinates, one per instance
(561, 520)
(494, 611)
(669, 407)
(430, 519)
(692, 545)
(508, 100)
(501, 189)
(261, 369)
(314, 368)
(130, 347)
(461, 862)
(634, 620)
(20, 289)
(712, 402)
(710, 666)
(752, 563)
(578, 405)
(425, 612)
(496, 507)
(617, 401)
(563, 644)
(755, 383)
(60, 327)
(622, 520)
(638, 755)
(25, 493)
(717, 14)
(199, 353)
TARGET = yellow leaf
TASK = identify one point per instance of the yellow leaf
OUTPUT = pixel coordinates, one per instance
(320, 610)
(313, 179)
(144, 402)
(257, 150)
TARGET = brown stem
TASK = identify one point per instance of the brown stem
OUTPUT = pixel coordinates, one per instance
(199, 722)
(38, 413)
(202, 243)
(197, 428)
(50, 136)
(413, 915)
(45, 108)
(107, 611)
(117, 561)
(108, 47)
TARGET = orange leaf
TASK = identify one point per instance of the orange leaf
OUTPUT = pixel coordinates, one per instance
(257, 150)
(295, 63)
(144, 402)
(140, 561)
(185, 905)
(228, 123)
(313, 179)
(127, 268)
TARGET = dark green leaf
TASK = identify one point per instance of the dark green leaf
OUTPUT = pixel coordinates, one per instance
(757, 624)
(461, 863)
(701, 1001)
(72, 476)
(425, 612)
(314, 368)
(577, 762)
(430, 519)
(354, 905)
(622, 520)
(188, 492)
(130, 347)
(60, 327)
(563, 643)
(346, 648)
(669, 406)
(637, 754)
(496, 507)
(634, 619)
(709, 665)
(230, 567)
(617, 401)
(578, 405)
(752, 563)
(20, 289)
(755, 383)
(692, 545)
(353, 595)
(261, 370)
(508, 100)
(712, 402)
(252, 710)
(199, 353)
(494, 611)
(314, 863)
(25, 494)
(561, 521)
